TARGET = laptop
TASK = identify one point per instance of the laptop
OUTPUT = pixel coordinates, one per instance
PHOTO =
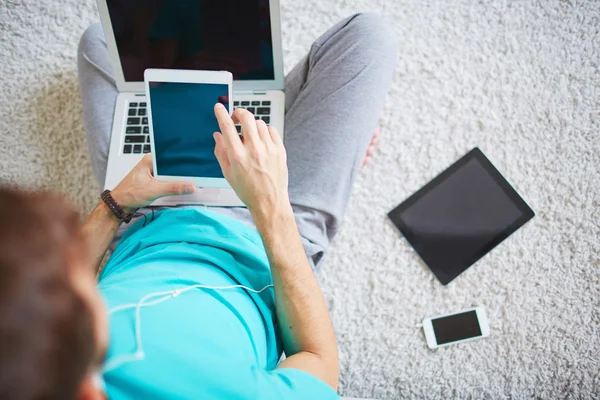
(239, 36)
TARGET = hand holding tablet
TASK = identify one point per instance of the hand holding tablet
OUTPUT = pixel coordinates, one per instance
(194, 138)
(182, 122)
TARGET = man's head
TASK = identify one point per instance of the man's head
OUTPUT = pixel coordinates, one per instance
(53, 329)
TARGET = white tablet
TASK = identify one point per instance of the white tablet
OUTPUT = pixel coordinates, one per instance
(182, 122)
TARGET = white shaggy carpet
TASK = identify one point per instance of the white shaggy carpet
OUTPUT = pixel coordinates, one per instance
(520, 79)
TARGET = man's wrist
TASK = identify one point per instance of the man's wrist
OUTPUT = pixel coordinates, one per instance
(122, 200)
(107, 212)
(273, 217)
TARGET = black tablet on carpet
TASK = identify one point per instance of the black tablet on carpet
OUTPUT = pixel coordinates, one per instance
(461, 215)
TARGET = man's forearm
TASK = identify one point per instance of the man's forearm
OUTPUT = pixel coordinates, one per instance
(137, 189)
(301, 310)
(99, 230)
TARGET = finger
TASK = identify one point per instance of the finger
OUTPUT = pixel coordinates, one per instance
(263, 132)
(275, 136)
(232, 139)
(221, 153)
(246, 119)
(220, 147)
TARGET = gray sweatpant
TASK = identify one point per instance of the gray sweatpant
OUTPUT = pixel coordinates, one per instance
(333, 100)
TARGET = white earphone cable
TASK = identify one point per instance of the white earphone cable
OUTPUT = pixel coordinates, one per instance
(139, 354)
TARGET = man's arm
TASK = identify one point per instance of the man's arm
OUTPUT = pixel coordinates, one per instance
(99, 230)
(137, 189)
(304, 321)
(256, 169)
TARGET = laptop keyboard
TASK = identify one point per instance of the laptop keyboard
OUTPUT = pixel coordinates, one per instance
(137, 131)
(260, 109)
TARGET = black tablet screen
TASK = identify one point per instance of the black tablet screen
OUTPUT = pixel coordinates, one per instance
(460, 216)
(183, 123)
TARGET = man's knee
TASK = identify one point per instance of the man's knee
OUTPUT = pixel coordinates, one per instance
(373, 34)
(91, 38)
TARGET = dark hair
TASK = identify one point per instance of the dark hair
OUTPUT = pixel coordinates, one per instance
(46, 327)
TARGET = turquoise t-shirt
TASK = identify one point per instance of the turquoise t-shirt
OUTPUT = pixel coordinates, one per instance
(200, 343)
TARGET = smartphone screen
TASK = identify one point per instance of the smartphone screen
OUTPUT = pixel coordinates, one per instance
(456, 327)
(183, 123)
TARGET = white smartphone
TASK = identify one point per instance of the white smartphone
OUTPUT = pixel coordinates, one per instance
(182, 121)
(457, 327)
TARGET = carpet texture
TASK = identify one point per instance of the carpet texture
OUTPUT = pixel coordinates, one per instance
(519, 79)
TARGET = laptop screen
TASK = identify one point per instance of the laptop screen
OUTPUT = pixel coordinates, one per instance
(230, 35)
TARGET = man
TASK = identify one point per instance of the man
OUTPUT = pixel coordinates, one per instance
(202, 302)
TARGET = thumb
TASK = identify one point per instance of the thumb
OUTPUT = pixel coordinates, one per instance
(173, 188)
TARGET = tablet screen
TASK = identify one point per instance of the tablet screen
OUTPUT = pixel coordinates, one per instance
(461, 215)
(183, 123)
